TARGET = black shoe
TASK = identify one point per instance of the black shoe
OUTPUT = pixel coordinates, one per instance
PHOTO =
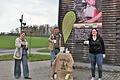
(17, 77)
(27, 77)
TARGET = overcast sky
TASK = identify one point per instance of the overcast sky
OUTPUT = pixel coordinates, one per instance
(35, 12)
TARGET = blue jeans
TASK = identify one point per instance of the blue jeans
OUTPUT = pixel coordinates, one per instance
(17, 67)
(53, 54)
(96, 58)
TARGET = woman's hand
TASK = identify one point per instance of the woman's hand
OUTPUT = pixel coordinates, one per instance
(67, 76)
(86, 42)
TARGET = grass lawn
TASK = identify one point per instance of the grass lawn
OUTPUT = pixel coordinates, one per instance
(38, 57)
(6, 57)
(32, 57)
(8, 42)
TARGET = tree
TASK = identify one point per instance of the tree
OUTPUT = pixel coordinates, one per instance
(17, 30)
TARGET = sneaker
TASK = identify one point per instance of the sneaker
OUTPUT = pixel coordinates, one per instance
(27, 77)
(100, 79)
(93, 78)
(51, 78)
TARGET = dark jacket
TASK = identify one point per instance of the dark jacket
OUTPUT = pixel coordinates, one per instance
(96, 46)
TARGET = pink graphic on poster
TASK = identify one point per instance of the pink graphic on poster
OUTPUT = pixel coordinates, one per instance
(88, 11)
(89, 15)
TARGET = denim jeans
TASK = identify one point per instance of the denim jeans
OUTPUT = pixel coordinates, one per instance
(96, 58)
(17, 67)
(53, 54)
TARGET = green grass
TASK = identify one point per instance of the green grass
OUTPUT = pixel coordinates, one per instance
(43, 50)
(38, 42)
(32, 57)
(6, 57)
(38, 57)
(8, 42)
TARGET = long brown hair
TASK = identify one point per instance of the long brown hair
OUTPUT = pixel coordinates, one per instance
(22, 33)
(53, 31)
(97, 33)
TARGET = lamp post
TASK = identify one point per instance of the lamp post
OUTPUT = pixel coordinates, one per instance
(21, 21)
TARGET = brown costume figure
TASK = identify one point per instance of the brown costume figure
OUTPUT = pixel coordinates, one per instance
(63, 67)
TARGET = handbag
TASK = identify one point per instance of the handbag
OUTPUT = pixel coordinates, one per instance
(17, 53)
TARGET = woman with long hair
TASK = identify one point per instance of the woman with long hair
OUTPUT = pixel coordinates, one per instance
(96, 52)
(21, 55)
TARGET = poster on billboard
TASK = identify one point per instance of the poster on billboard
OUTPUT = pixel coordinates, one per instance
(89, 15)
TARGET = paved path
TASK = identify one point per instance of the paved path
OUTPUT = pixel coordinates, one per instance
(11, 51)
(5, 51)
(41, 71)
(38, 70)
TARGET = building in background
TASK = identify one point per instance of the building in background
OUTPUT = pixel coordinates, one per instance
(108, 24)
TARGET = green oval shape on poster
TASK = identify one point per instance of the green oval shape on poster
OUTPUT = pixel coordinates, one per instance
(67, 24)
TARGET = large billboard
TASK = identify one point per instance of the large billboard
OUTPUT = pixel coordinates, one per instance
(89, 15)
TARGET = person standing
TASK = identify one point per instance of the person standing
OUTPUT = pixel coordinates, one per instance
(55, 43)
(21, 55)
(96, 52)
